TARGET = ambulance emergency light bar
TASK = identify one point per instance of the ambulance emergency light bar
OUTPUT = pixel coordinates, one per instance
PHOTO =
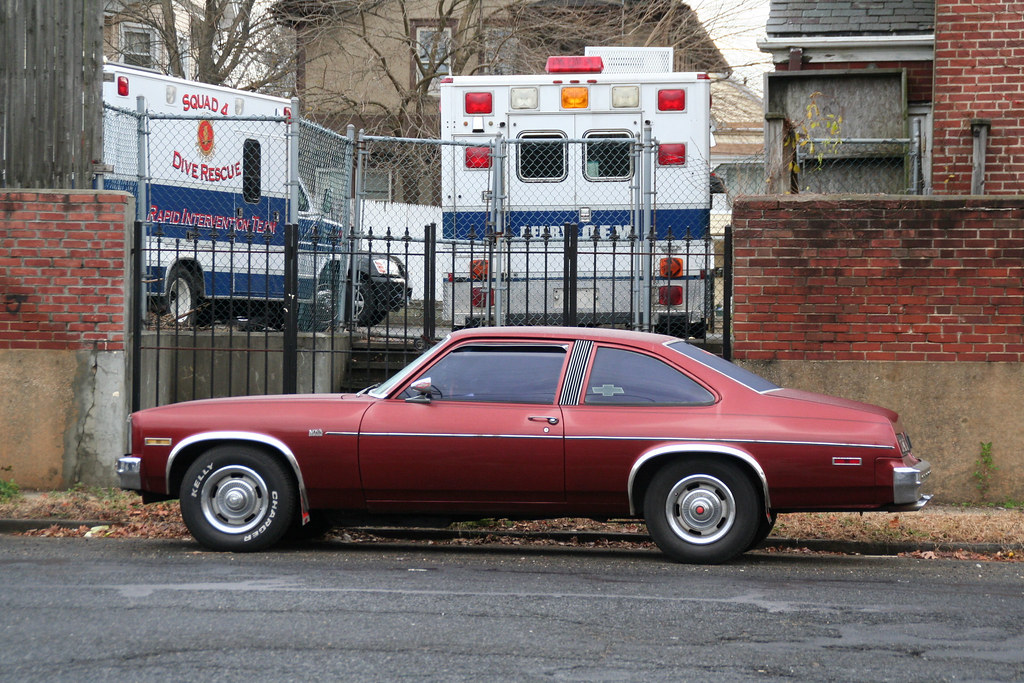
(189, 102)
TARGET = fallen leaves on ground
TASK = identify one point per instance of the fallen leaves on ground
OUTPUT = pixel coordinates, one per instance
(120, 514)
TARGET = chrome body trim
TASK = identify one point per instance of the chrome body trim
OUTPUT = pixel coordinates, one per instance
(252, 437)
(129, 472)
(595, 437)
(699, 448)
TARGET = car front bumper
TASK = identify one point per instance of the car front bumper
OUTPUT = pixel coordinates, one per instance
(129, 472)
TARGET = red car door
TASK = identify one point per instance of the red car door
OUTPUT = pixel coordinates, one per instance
(490, 436)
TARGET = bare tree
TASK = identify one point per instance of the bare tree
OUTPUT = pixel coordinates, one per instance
(237, 43)
(376, 63)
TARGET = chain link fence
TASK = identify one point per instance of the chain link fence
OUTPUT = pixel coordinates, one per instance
(262, 238)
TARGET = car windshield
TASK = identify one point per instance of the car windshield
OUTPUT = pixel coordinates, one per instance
(382, 390)
(719, 364)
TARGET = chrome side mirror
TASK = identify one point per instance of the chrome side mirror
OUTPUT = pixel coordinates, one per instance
(423, 389)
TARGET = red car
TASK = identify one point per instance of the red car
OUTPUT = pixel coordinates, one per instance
(529, 422)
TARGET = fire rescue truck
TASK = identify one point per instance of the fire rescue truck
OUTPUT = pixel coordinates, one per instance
(211, 175)
(614, 146)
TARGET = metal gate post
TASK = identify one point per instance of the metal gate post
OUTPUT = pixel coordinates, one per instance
(569, 270)
(138, 296)
(429, 284)
(727, 296)
(498, 223)
(647, 226)
(290, 361)
(637, 218)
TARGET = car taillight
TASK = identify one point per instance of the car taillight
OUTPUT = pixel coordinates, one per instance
(672, 154)
(122, 86)
(478, 157)
(478, 103)
(670, 295)
(671, 100)
(482, 297)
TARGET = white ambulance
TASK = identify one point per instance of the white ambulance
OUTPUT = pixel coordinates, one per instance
(211, 175)
(613, 142)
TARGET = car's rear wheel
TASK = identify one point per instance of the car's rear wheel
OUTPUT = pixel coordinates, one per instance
(764, 527)
(237, 498)
(701, 511)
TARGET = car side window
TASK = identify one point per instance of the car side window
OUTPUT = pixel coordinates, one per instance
(497, 373)
(620, 377)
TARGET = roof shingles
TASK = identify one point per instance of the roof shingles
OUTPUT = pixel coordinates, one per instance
(850, 17)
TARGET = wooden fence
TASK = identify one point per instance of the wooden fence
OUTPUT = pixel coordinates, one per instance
(51, 71)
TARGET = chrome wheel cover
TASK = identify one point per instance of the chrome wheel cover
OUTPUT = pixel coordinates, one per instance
(700, 509)
(234, 499)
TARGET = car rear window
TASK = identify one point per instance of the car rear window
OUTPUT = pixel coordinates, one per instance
(720, 365)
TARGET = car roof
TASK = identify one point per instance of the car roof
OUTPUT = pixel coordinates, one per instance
(563, 333)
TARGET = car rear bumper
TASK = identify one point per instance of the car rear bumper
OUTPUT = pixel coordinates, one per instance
(129, 472)
(907, 485)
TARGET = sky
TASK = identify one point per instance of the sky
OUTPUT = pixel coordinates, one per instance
(737, 26)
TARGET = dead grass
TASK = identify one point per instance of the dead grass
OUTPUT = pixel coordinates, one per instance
(115, 513)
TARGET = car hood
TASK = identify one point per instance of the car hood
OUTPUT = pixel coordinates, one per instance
(835, 401)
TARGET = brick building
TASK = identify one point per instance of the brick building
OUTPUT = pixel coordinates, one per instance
(957, 70)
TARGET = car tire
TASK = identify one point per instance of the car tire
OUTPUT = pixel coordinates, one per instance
(317, 526)
(701, 511)
(365, 308)
(765, 525)
(182, 296)
(237, 498)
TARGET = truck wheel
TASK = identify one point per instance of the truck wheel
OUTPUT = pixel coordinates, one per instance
(365, 309)
(701, 511)
(237, 498)
(182, 296)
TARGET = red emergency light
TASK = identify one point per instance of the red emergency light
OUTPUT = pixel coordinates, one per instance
(478, 103)
(122, 86)
(478, 157)
(670, 295)
(671, 100)
(672, 154)
(575, 65)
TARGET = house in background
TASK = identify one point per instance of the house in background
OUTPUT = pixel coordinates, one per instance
(377, 65)
(944, 76)
(849, 103)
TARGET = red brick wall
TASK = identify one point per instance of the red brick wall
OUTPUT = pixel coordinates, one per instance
(888, 279)
(979, 73)
(62, 270)
(919, 74)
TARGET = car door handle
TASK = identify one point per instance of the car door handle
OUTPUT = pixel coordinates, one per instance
(543, 418)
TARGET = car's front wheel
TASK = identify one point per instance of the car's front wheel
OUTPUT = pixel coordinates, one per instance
(237, 498)
(701, 511)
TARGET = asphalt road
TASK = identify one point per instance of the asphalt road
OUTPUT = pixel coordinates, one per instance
(112, 610)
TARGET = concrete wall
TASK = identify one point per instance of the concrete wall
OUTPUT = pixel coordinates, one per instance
(912, 303)
(63, 308)
(237, 364)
